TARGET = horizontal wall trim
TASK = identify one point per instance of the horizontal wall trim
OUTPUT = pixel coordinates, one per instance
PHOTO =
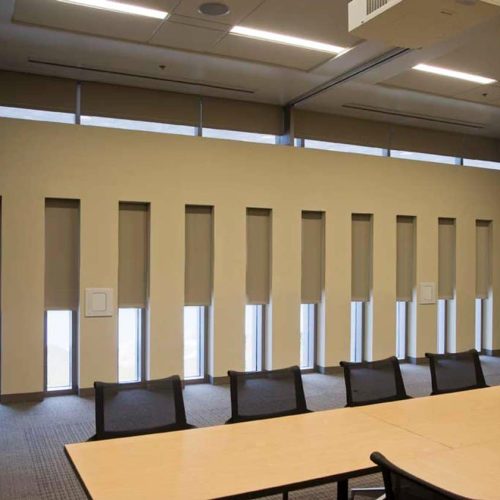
(329, 370)
(416, 361)
(491, 352)
(86, 392)
(218, 380)
(24, 397)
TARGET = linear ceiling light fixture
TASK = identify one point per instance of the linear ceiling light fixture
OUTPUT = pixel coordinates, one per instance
(454, 74)
(269, 36)
(123, 8)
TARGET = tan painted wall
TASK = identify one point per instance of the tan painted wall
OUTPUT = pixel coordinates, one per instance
(102, 167)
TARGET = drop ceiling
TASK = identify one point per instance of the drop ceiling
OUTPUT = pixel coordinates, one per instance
(191, 52)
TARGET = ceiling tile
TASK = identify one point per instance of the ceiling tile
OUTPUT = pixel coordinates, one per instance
(479, 55)
(77, 18)
(238, 10)
(484, 94)
(272, 53)
(320, 20)
(184, 36)
(429, 83)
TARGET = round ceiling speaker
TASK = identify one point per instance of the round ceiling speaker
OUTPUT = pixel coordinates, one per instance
(213, 9)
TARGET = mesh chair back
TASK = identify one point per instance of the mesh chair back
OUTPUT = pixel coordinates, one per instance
(400, 485)
(266, 394)
(139, 408)
(371, 382)
(456, 372)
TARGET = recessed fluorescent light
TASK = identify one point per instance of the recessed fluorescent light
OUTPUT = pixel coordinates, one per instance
(454, 74)
(269, 36)
(124, 8)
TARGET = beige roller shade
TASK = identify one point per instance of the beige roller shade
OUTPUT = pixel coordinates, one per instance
(23, 90)
(349, 130)
(62, 254)
(447, 258)
(258, 275)
(405, 258)
(242, 115)
(132, 103)
(343, 129)
(312, 257)
(483, 258)
(199, 256)
(361, 262)
(133, 252)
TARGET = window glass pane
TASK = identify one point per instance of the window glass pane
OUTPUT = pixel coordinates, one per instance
(194, 332)
(344, 148)
(307, 335)
(129, 344)
(410, 155)
(36, 114)
(482, 164)
(163, 128)
(59, 349)
(401, 325)
(479, 324)
(253, 337)
(357, 331)
(234, 135)
(441, 327)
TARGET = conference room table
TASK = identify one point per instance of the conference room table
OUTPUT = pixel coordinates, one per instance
(451, 440)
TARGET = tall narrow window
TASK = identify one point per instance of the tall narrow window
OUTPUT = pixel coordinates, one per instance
(194, 342)
(198, 288)
(405, 280)
(446, 281)
(312, 284)
(62, 245)
(258, 285)
(133, 290)
(308, 335)
(483, 279)
(361, 281)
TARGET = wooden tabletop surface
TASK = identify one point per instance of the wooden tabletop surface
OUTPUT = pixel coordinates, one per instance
(233, 459)
(455, 419)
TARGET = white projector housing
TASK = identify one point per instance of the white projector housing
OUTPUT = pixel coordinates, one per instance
(417, 23)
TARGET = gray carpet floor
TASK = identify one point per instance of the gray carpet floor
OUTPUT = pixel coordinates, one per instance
(32, 460)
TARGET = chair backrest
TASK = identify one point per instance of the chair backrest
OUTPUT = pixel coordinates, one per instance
(266, 394)
(371, 382)
(400, 485)
(454, 372)
(139, 408)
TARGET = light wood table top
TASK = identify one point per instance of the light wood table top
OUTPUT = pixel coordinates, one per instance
(247, 457)
(470, 471)
(455, 420)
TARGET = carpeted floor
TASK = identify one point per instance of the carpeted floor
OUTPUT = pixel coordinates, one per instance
(32, 460)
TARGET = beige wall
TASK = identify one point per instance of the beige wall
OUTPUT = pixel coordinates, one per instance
(102, 167)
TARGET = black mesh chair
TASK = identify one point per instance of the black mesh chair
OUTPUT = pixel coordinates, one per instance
(400, 485)
(371, 382)
(455, 372)
(266, 394)
(133, 409)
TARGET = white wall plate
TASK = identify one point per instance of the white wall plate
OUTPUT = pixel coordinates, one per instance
(98, 302)
(427, 293)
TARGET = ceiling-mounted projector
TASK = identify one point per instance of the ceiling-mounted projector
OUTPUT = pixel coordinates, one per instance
(417, 23)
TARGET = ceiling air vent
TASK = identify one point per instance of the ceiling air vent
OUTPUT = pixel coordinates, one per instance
(373, 5)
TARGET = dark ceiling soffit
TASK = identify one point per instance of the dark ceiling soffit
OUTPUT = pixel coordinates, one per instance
(434, 119)
(349, 75)
(145, 77)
